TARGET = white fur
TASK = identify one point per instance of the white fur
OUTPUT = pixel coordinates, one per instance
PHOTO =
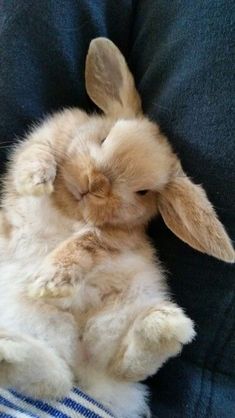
(54, 343)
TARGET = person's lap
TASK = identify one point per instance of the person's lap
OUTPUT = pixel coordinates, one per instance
(180, 54)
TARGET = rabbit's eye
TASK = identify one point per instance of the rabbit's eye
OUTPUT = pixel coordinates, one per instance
(102, 141)
(142, 192)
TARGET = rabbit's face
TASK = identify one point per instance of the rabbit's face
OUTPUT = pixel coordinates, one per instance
(105, 179)
(119, 169)
(117, 162)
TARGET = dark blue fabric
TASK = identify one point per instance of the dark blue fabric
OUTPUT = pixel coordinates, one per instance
(181, 55)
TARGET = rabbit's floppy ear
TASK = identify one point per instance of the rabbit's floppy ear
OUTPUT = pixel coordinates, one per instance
(109, 82)
(187, 211)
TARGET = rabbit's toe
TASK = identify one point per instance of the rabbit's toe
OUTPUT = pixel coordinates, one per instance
(35, 178)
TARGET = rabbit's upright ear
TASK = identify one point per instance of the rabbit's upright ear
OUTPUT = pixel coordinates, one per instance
(109, 82)
(187, 211)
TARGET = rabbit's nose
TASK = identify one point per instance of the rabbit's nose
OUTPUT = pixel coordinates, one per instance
(99, 185)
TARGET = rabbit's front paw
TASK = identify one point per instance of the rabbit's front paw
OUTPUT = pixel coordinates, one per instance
(53, 281)
(35, 177)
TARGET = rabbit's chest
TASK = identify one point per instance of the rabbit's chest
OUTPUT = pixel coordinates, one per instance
(38, 230)
(109, 284)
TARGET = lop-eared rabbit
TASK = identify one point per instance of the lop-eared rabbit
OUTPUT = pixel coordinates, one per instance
(83, 297)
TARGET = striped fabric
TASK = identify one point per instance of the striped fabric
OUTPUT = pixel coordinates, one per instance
(77, 404)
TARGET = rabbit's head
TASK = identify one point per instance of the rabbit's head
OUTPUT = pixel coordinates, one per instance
(120, 170)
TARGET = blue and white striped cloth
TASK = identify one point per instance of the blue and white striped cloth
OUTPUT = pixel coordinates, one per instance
(15, 405)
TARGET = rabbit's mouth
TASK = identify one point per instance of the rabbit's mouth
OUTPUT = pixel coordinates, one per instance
(99, 193)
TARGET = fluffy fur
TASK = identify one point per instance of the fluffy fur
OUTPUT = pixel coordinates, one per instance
(82, 296)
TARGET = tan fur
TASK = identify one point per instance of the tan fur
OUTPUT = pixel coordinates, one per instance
(188, 213)
(109, 82)
(75, 251)
(79, 280)
(5, 226)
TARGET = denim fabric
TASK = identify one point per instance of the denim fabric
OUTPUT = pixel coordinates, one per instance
(181, 55)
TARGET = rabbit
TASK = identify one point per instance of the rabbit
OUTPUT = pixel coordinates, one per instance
(83, 296)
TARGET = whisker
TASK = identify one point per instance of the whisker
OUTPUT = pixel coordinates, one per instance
(5, 146)
(6, 142)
